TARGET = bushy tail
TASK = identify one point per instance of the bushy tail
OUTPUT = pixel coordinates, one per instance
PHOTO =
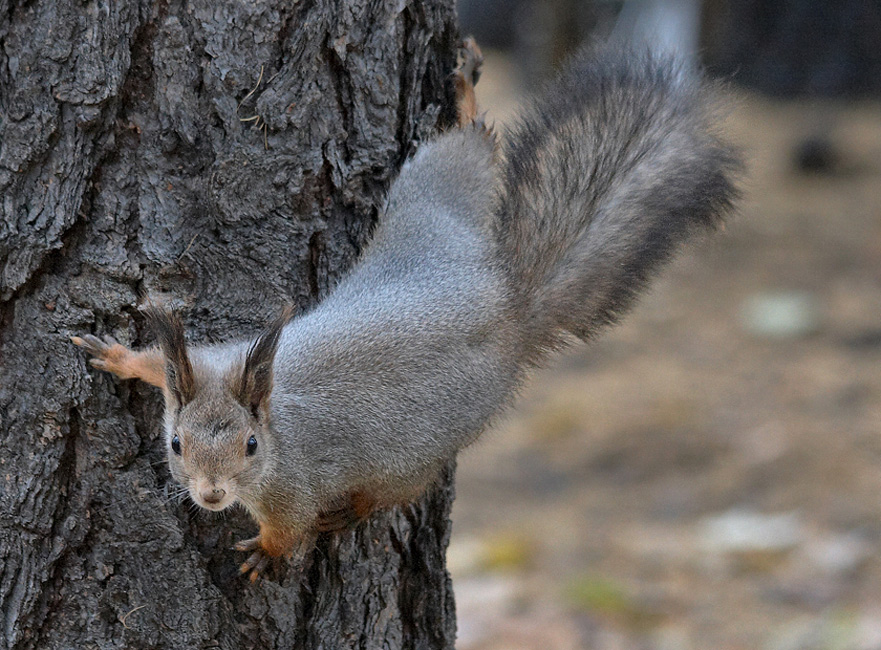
(605, 175)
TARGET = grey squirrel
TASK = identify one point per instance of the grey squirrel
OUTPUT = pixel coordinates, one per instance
(487, 257)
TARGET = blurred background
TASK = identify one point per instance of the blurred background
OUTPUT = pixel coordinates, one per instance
(708, 474)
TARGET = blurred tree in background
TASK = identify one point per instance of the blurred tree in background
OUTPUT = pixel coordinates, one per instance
(796, 47)
(792, 47)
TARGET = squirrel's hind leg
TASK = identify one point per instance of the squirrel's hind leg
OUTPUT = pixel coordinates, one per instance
(357, 507)
(466, 75)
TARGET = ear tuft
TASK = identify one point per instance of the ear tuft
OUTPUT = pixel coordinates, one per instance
(169, 332)
(253, 387)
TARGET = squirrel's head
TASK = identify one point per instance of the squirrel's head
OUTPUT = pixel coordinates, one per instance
(217, 419)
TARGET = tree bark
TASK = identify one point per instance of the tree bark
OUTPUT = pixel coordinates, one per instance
(231, 156)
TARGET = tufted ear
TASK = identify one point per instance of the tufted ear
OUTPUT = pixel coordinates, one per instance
(253, 386)
(169, 331)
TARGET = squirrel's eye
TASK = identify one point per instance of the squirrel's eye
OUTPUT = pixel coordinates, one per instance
(175, 445)
(252, 445)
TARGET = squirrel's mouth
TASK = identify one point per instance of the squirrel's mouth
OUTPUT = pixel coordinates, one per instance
(212, 495)
(224, 503)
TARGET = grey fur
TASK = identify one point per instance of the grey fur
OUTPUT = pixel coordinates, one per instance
(607, 174)
(482, 263)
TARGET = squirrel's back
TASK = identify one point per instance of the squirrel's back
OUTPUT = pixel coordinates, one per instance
(485, 260)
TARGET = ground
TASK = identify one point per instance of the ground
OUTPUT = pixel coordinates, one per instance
(708, 474)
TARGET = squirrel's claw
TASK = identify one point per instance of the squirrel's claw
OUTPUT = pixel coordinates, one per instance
(246, 545)
(98, 348)
(265, 549)
(110, 356)
(255, 564)
(93, 345)
(102, 350)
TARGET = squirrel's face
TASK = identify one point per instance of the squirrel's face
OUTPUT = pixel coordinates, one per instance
(217, 450)
(217, 418)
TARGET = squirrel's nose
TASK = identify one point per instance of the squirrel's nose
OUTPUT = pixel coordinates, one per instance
(212, 494)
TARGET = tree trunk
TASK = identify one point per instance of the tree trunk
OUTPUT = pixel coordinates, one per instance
(796, 48)
(231, 156)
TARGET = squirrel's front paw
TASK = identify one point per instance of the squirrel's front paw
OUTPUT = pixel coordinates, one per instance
(270, 545)
(108, 354)
(257, 561)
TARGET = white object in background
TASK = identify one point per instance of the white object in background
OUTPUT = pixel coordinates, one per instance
(665, 25)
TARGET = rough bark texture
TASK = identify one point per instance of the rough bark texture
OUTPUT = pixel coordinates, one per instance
(126, 168)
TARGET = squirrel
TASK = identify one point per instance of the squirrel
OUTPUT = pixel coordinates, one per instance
(487, 257)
